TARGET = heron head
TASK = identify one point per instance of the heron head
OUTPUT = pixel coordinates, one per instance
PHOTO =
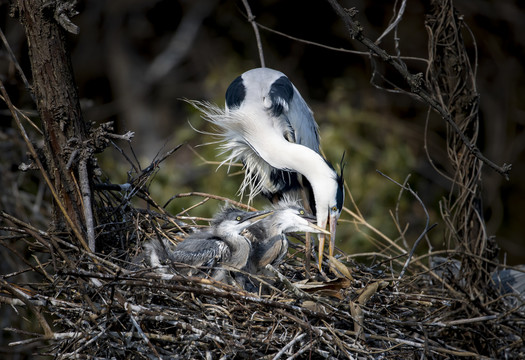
(295, 219)
(232, 221)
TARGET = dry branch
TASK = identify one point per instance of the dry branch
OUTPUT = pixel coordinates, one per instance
(416, 82)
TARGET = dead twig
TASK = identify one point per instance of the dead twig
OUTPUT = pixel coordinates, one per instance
(251, 19)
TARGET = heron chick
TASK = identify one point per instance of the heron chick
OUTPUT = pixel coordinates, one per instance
(268, 236)
(267, 125)
(212, 249)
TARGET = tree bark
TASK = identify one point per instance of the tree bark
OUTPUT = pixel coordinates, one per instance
(58, 105)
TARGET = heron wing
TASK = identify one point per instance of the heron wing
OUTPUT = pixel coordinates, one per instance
(269, 251)
(199, 251)
(302, 120)
(288, 106)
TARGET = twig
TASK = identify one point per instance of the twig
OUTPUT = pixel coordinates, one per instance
(331, 48)
(211, 196)
(251, 19)
(302, 350)
(26, 299)
(140, 332)
(62, 13)
(17, 66)
(469, 321)
(394, 24)
(86, 196)
(285, 348)
(126, 137)
(186, 211)
(294, 289)
(425, 230)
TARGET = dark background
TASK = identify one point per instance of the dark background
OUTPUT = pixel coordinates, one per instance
(116, 57)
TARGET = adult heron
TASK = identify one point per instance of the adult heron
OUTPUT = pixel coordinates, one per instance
(221, 245)
(268, 126)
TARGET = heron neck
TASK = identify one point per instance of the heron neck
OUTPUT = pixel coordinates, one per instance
(269, 143)
(323, 179)
(285, 155)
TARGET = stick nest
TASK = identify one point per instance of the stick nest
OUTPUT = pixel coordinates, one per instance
(102, 305)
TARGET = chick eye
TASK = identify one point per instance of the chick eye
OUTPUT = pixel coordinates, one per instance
(238, 218)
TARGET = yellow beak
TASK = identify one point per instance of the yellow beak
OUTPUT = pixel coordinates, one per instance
(331, 246)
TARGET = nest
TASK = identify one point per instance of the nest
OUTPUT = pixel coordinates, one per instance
(102, 305)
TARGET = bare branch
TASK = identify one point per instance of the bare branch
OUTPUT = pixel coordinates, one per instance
(211, 196)
(17, 65)
(251, 19)
(394, 24)
(63, 12)
(85, 189)
(328, 47)
(415, 81)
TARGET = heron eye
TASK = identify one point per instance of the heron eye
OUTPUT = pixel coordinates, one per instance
(301, 212)
(238, 218)
(334, 208)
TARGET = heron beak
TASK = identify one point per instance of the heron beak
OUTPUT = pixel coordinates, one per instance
(256, 216)
(321, 224)
(311, 219)
(317, 229)
(333, 226)
(332, 220)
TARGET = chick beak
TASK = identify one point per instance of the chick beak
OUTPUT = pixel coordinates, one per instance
(256, 216)
(317, 229)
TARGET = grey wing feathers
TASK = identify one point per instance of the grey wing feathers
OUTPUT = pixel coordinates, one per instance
(510, 280)
(192, 251)
(302, 120)
(271, 251)
(198, 251)
(287, 104)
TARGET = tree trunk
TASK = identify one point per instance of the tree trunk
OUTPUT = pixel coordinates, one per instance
(58, 105)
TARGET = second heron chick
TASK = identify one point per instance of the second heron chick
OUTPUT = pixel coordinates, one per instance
(209, 250)
(268, 236)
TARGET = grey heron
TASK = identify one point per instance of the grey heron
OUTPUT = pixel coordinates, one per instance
(268, 236)
(221, 245)
(267, 125)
